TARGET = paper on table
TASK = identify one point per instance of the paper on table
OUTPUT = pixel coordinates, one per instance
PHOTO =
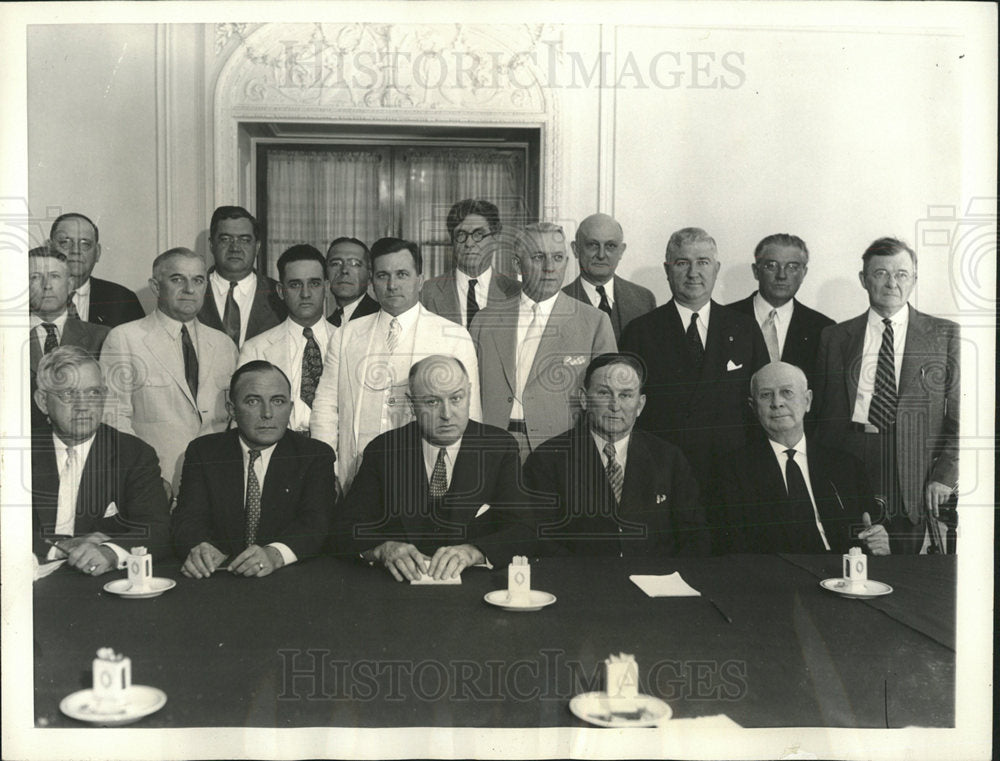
(425, 579)
(44, 569)
(671, 585)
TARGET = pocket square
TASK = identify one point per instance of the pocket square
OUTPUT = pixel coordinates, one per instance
(111, 510)
(660, 498)
(733, 366)
(575, 360)
(482, 509)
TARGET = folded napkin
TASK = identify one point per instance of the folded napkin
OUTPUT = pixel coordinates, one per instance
(44, 569)
(425, 579)
(671, 585)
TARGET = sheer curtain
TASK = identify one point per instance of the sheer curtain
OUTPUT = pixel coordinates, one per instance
(316, 196)
(437, 178)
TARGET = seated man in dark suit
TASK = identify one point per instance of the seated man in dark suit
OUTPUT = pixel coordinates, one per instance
(94, 300)
(787, 492)
(616, 490)
(790, 329)
(349, 269)
(260, 495)
(96, 492)
(441, 493)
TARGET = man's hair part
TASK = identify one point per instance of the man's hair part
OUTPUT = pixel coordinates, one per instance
(300, 252)
(254, 366)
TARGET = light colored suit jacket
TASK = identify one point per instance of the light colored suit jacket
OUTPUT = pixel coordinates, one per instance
(149, 396)
(631, 301)
(440, 294)
(575, 334)
(352, 356)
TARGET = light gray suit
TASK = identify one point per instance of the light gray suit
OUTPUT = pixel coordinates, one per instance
(149, 396)
(574, 334)
(440, 294)
(631, 301)
(355, 358)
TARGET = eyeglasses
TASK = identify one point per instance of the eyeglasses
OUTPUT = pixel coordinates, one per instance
(228, 240)
(66, 244)
(341, 263)
(477, 235)
(882, 276)
(87, 395)
(792, 268)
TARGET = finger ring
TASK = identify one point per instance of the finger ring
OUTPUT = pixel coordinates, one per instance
(260, 566)
(91, 569)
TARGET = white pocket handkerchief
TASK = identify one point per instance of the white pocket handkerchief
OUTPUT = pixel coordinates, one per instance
(111, 510)
(732, 366)
(661, 498)
(575, 360)
(482, 509)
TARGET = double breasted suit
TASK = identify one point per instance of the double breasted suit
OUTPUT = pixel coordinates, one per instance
(120, 492)
(574, 334)
(485, 504)
(266, 311)
(112, 304)
(149, 395)
(926, 430)
(440, 294)
(659, 514)
(631, 301)
(296, 501)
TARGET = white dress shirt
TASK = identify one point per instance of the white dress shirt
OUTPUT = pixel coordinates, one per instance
(81, 300)
(482, 290)
(525, 314)
(395, 405)
(260, 469)
(595, 298)
(869, 357)
(702, 323)
(430, 457)
(296, 346)
(244, 293)
(762, 310)
(173, 328)
(621, 449)
(39, 332)
(801, 459)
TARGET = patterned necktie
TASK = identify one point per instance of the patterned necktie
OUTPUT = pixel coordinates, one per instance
(605, 305)
(51, 338)
(190, 361)
(69, 476)
(337, 317)
(471, 305)
(616, 477)
(253, 499)
(231, 316)
(392, 336)
(770, 330)
(439, 477)
(882, 410)
(312, 368)
(71, 309)
(695, 346)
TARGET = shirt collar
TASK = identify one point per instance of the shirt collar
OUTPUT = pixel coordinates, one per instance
(779, 449)
(59, 322)
(685, 313)
(621, 446)
(762, 309)
(172, 326)
(430, 452)
(898, 320)
(243, 287)
(319, 330)
(265, 452)
(83, 290)
(482, 279)
(544, 307)
(591, 290)
(406, 320)
(82, 447)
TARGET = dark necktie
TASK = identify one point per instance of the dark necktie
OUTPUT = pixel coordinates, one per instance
(71, 309)
(800, 511)
(312, 368)
(616, 477)
(471, 305)
(190, 361)
(695, 346)
(51, 338)
(605, 305)
(882, 410)
(337, 317)
(439, 476)
(253, 499)
(796, 483)
(231, 315)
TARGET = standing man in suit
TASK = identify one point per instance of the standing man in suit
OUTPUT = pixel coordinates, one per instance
(533, 350)
(888, 391)
(473, 226)
(790, 329)
(598, 247)
(297, 345)
(95, 492)
(167, 372)
(94, 300)
(699, 357)
(615, 490)
(362, 392)
(241, 302)
(788, 492)
(441, 493)
(260, 495)
(349, 268)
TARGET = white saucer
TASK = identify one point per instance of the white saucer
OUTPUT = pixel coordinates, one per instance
(154, 588)
(501, 598)
(856, 591)
(597, 708)
(139, 701)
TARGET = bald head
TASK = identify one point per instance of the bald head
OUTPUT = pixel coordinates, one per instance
(780, 396)
(598, 247)
(439, 394)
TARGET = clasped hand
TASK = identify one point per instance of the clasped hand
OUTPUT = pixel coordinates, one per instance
(404, 561)
(205, 558)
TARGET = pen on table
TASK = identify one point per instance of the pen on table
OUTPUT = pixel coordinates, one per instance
(54, 543)
(721, 611)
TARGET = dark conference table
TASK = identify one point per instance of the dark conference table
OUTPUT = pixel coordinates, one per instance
(331, 642)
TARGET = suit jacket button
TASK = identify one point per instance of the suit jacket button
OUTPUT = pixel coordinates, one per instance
(392, 401)
(510, 398)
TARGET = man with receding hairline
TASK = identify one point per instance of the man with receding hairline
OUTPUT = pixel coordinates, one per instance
(598, 247)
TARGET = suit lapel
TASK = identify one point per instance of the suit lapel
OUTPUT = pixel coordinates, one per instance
(259, 307)
(277, 349)
(559, 332)
(794, 337)
(234, 483)
(854, 345)
(717, 341)
(157, 340)
(503, 336)
(675, 340)
(639, 474)
(918, 345)
(209, 313)
(45, 482)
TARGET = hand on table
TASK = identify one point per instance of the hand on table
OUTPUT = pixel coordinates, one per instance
(256, 561)
(86, 554)
(875, 538)
(935, 495)
(202, 561)
(403, 560)
(449, 562)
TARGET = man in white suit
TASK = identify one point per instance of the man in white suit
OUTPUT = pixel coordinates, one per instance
(362, 392)
(297, 345)
(168, 373)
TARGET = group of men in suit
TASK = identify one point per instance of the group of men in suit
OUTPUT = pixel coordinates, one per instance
(469, 378)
